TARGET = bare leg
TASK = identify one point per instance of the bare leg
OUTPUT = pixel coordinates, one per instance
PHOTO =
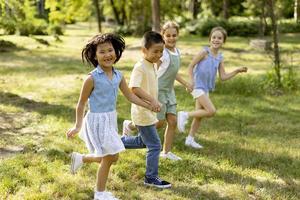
(103, 171)
(88, 159)
(169, 132)
(207, 108)
(204, 108)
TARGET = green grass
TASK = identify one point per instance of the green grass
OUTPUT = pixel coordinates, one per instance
(251, 149)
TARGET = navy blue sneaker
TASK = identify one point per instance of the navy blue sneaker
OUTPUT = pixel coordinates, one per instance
(156, 182)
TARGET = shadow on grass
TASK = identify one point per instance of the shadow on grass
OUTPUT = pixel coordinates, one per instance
(44, 63)
(42, 108)
(194, 193)
(282, 165)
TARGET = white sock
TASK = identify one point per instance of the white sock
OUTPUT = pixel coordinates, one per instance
(190, 137)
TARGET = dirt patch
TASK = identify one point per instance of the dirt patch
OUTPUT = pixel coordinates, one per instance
(14, 127)
(10, 151)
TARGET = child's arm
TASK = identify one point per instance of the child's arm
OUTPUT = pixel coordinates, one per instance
(195, 60)
(186, 84)
(225, 76)
(130, 96)
(86, 90)
(146, 97)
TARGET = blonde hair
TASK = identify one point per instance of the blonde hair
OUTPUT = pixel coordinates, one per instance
(221, 29)
(169, 24)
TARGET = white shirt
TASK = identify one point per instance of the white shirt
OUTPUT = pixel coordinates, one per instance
(165, 61)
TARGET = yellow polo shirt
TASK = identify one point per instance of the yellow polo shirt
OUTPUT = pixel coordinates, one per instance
(144, 76)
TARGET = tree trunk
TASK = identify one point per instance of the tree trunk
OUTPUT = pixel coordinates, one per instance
(41, 7)
(263, 22)
(194, 8)
(155, 16)
(116, 12)
(225, 9)
(123, 13)
(98, 12)
(297, 11)
(277, 67)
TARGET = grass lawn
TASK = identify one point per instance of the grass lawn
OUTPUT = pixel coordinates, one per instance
(251, 147)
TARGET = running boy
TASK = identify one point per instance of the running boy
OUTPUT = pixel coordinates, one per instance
(144, 84)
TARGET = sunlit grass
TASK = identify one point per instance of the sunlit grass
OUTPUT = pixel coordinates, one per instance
(251, 145)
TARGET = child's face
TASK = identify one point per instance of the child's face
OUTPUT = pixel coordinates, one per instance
(170, 36)
(154, 52)
(105, 55)
(216, 39)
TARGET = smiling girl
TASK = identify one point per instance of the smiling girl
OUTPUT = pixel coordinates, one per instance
(202, 72)
(98, 129)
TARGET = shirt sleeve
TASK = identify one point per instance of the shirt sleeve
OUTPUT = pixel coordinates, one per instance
(165, 61)
(136, 76)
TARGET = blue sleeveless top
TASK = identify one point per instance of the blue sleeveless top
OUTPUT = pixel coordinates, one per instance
(206, 70)
(103, 98)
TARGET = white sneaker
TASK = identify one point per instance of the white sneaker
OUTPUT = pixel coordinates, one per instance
(76, 162)
(104, 196)
(182, 118)
(126, 129)
(192, 143)
(170, 156)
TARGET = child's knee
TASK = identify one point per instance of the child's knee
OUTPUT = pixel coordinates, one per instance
(211, 112)
(172, 123)
(112, 158)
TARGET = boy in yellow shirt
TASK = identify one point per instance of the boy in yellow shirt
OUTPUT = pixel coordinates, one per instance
(144, 84)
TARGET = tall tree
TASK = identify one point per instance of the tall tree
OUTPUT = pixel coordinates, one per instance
(194, 8)
(41, 7)
(98, 12)
(277, 65)
(155, 15)
(226, 9)
(297, 10)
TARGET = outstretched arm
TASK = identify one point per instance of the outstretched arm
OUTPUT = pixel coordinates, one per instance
(130, 96)
(183, 82)
(86, 90)
(225, 76)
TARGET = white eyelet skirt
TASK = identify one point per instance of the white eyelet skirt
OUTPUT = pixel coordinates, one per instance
(100, 134)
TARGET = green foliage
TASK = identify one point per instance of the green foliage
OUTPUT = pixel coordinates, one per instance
(234, 26)
(238, 26)
(288, 26)
(33, 27)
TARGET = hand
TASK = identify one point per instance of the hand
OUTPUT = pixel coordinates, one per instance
(189, 88)
(72, 132)
(155, 106)
(242, 69)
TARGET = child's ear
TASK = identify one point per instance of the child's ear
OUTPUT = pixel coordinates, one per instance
(144, 50)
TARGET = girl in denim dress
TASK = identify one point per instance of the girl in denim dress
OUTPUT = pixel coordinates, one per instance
(98, 129)
(202, 72)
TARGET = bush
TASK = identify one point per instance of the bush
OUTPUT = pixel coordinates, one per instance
(55, 29)
(289, 26)
(124, 30)
(9, 26)
(33, 27)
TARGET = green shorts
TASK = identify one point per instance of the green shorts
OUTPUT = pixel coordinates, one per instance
(168, 101)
